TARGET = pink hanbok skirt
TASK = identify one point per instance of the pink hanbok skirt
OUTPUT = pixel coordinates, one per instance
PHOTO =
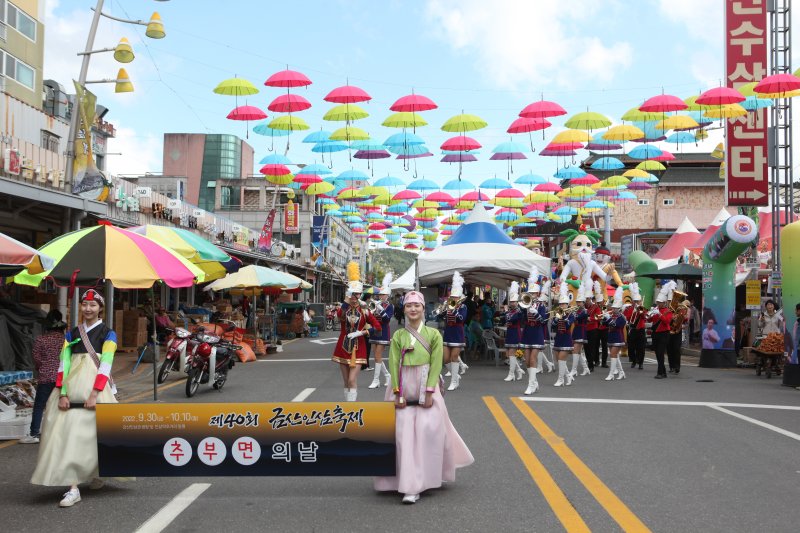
(429, 449)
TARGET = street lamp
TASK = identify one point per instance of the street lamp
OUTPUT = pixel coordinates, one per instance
(122, 53)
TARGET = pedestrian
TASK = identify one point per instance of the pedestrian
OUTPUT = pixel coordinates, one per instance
(46, 352)
(384, 310)
(163, 323)
(429, 449)
(68, 451)
(694, 322)
(351, 347)
(771, 319)
(487, 314)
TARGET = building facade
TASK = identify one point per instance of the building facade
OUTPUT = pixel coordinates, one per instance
(22, 50)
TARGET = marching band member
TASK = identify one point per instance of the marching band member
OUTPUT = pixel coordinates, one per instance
(579, 333)
(535, 324)
(562, 344)
(455, 317)
(593, 313)
(351, 348)
(544, 301)
(615, 321)
(514, 317)
(679, 318)
(636, 317)
(661, 317)
(384, 311)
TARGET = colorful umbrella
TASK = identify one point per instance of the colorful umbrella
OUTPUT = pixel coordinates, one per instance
(463, 123)
(289, 103)
(235, 87)
(777, 84)
(413, 103)
(347, 94)
(246, 112)
(588, 120)
(663, 103)
(404, 119)
(289, 122)
(345, 113)
(542, 109)
(623, 132)
(128, 260)
(607, 163)
(257, 276)
(460, 143)
(720, 96)
(16, 257)
(349, 133)
(287, 78)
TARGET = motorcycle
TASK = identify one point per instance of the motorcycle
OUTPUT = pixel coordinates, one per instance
(331, 320)
(176, 352)
(211, 352)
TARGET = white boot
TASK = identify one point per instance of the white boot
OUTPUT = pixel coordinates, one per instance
(550, 366)
(455, 379)
(346, 394)
(620, 373)
(376, 379)
(386, 375)
(352, 394)
(462, 366)
(520, 371)
(612, 369)
(512, 368)
(540, 362)
(576, 357)
(533, 385)
(562, 374)
(586, 370)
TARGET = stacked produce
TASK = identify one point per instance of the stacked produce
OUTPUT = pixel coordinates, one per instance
(772, 343)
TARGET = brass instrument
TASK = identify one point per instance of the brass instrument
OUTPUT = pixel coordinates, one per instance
(677, 298)
(561, 313)
(526, 301)
(635, 316)
(678, 318)
(454, 303)
(376, 308)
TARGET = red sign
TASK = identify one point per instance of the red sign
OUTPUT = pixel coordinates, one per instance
(265, 238)
(746, 34)
(291, 218)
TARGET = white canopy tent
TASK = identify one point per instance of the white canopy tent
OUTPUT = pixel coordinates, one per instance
(482, 253)
(406, 281)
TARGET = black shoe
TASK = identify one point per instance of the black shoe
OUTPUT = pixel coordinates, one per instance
(677, 370)
(671, 371)
(640, 367)
(633, 365)
(604, 365)
(660, 376)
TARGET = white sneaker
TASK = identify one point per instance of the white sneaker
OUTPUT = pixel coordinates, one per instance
(29, 439)
(71, 497)
(96, 484)
(410, 498)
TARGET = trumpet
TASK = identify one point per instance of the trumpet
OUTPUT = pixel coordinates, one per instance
(561, 313)
(526, 301)
(376, 308)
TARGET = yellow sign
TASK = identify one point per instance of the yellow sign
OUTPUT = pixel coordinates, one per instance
(753, 294)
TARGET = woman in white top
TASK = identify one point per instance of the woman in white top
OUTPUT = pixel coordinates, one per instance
(772, 320)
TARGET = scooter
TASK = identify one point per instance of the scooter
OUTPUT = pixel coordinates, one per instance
(176, 352)
(211, 352)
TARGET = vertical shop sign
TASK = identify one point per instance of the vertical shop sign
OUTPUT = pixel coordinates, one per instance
(265, 238)
(746, 33)
(291, 218)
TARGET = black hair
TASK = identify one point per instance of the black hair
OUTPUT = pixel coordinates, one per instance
(771, 301)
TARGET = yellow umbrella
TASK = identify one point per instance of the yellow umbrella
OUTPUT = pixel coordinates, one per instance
(518, 221)
(651, 165)
(345, 112)
(281, 180)
(616, 181)
(693, 105)
(463, 123)
(581, 191)
(725, 111)
(425, 204)
(507, 202)
(572, 136)
(677, 122)
(623, 132)
(374, 190)
(349, 133)
(235, 87)
(542, 198)
(288, 122)
(405, 119)
(320, 188)
(787, 94)
(635, 173)
(635, 115)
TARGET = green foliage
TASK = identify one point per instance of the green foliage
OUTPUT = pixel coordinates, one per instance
(383, 260)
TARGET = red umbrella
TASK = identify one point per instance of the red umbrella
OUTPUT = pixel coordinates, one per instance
(287, 78)
(460, 143)
(307, 179)
(547, 187)
(347, 94)
(509, 193)
(777, 83)
(663, 103)
(275, 170)
(247, 112)
(525, 125)
(413, 103)
(439, 196)
(542, 109)
(289, 103)
(407, 194)
(474, 196)
(720, 96)
(588, 179)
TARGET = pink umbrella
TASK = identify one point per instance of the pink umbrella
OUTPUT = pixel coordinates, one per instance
(665, 156)
(509, 193)
(413, 103)
(439, 196)
(526, 124)
(459, 158)
(565, 146)
(275, 170)
(246, 112)
(307, 179)
(407, 194)
(542, 109)
(474, 196)
(289, 103)
(376, 226)
(720, 96)
(287, 78)
(460, 143)
(777, 83)
(347, 94)
(588, 179)
(663, 103)
(547, 187)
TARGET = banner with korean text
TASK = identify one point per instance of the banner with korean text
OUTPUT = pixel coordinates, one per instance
(265, 238)
(746, 35)
(261, 439)
(291, 218)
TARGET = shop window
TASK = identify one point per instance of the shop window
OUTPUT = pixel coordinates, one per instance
(50, 141)
(668, 201)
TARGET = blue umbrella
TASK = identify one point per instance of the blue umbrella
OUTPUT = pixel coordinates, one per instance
(535, 213)
(598, 139)
(353, 219)
(317, 137)
(409, 149)
(509, 147)
(569, 172)
(334, 213)
(352, 174)
(495, 183)
(593, 204)
(506, 216)
(390, 181)
(644, 151)
(326, 147)
(275, 159)
(752, 103)
(423, 185)
(263, 129)
(681, 137)
(403, 139)
(458, 185)
(608, 163)
(651, 133)
(626, 195)
(566, 210)
(371, 146)
(530, 179)
(319, 170)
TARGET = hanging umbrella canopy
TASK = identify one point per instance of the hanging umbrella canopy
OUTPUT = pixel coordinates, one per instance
(725, 111)
(634, 114)
(349, 133)
(463, 123)
(588, 120)
(315, 168)
(677, 122)
(264, 129)
(547, 187)
(527, 125)
(645, 151)
(288, 78)
(509, 147)
(569, 173)
(413, 103)
(588, 179)
(530, 179)
(317, 137)
(663, 103)
(128, 260)
(345, 112)
(257, 276)
(347, 94)
(720, 96)
(404, 119)
(390, 181)
(404, 138)
(542, 109)
(650, 165)
(210, 259)
(16, 257)
(320, 188)
(681, 137)
(236, 87)
(607, 163)
(289, 103)
(460, 143)
(275, 170)
(327, 147)
(289, 122)
(246, 112)
(623, 132)
(777, 84)
(275, 159)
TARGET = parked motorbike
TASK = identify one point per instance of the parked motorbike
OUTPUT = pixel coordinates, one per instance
(209, 362)
(176, 352)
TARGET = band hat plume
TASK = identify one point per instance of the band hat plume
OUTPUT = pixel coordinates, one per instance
(545, 295)
(354, 284)
(563, 297)
(636, 296)
(533, 286)
(387, 280)
(618, 297)
(457, 288)
(664, 293)
(513, 292)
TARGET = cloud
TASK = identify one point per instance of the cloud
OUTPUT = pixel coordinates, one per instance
(519, 44)
(140, 154)
(703, 19)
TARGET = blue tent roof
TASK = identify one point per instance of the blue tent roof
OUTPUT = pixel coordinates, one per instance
(479, 230)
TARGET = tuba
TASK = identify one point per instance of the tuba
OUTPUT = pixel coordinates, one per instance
(677, 298)
(526, 300)
(678, 318)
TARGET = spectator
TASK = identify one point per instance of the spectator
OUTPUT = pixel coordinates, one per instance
(487, 314)
(46, 352)
(163, 323)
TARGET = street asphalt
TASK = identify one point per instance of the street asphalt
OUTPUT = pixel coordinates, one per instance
(707, 450)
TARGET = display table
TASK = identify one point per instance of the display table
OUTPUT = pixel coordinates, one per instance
(17, 394)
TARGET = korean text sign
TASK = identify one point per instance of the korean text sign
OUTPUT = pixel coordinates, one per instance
(261, 439)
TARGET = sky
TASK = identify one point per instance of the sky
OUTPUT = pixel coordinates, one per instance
(485, 58)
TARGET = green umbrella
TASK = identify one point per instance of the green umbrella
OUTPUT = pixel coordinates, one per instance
(405, 119)
(288, 122)
(588, 120)
(236, 87)
(345, 113)
(463, 123)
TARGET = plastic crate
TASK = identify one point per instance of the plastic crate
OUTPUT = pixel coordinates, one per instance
(15, 429)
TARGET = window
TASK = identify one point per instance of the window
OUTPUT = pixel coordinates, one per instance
(643, 201)
(19, 71)
(17, 19)
(50, 141)
(669, 201)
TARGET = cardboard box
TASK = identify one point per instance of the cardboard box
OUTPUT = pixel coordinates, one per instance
(130, 318)
(119, 324)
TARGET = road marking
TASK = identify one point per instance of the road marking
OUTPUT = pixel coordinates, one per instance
(604, 496)
(660, 402)
(140, 395)
(776, 429)
(303, 395)
(7, 444)
(292, 360)
(330, 340)
(168, 513)
(561, 506)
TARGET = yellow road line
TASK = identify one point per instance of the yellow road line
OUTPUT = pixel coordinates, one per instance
(561, 506)
(604, 496)
(8, 443)
(145, 394)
